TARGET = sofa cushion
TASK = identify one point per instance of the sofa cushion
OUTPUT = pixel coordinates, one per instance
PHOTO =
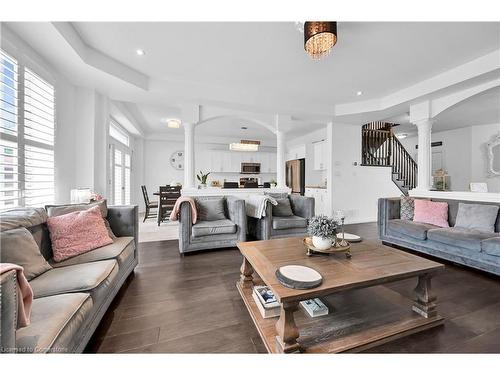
(63, 209)
(22, 217)
(283, 208)
(430, 212)
(410, 228)
(54, 322)
(76, 233)
(481, 217)
(407, 208)
(289, 222)
(122, 249)
(466, 238)
(19, 247)
(208, 228)
(491, 246)
(94, 277)
(210, 209)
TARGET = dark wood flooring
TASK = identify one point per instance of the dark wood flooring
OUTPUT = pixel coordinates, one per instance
(190, 304)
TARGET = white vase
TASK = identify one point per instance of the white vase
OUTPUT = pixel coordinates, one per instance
(321, 243)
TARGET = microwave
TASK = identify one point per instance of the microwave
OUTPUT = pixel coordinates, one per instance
(250, 168)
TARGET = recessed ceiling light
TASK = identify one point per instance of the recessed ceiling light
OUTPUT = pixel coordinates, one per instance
(359, 93)
(172, 122)
(140, 52)
(401, 135)
(244, 128)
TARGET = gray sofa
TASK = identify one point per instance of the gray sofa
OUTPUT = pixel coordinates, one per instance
(213, 234)
(472, 248)
(270, 226)
(71, 297)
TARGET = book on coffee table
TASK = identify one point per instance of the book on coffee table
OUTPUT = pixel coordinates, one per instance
(265, 311)
(314, 307)
(266, 296)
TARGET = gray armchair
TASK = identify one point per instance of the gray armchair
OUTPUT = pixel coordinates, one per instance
(270, 227)
(213, 234)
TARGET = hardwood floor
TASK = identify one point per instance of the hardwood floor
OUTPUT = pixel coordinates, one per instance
(190, 304)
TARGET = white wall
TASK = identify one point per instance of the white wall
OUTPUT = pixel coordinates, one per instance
(356, 189)
(464, 155)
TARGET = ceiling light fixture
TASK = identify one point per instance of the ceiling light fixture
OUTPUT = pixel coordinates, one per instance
(140, 52)
(245, 145)
(319, 38)
(172, 122)
(359, 93)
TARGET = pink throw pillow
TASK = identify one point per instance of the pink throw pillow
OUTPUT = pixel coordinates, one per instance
(430, 212)
(77, 233)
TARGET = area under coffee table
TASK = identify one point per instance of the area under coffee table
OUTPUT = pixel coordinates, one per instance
(363, 313)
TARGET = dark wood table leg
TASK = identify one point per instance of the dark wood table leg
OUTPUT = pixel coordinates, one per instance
(424, 299)
(287, 329)
(246, 270)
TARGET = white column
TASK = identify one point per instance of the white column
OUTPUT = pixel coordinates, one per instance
(424, 154)
(329, 169)
(280, 159)
(188, 155)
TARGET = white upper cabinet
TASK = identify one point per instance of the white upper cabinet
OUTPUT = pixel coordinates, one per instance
(296, 152)
(320, 156)
(221, 161)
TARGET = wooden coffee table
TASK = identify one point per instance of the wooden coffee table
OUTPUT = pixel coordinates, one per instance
(363, 313)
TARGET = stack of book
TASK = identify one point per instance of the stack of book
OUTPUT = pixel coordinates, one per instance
(266, 302)
(314, 307)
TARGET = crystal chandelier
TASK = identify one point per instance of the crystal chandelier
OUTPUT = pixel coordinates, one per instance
(319, 38)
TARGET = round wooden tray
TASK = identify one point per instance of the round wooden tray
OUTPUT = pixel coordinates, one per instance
(311, 249)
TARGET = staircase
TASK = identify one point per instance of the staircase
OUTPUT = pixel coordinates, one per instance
(381, 148)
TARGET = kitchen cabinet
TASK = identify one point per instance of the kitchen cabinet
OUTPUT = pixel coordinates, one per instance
(296, 152)
(221, 161)
(320, 199)
(320, 156)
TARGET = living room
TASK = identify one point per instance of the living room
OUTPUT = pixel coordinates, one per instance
(333, 186)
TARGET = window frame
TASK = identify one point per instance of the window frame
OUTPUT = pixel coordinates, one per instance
(22, 142)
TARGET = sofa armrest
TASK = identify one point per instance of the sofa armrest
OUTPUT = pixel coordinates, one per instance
(124, 221)
(185, 226)
(237, 214)
(302, 206)
(8, 310)
(388, 209)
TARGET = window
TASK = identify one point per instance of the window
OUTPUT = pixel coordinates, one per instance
(121, 175)
(27, 124)
(117, 133)
(120, 156)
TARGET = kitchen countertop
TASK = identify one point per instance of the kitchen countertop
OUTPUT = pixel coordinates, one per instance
(315, 187)
(210, 191)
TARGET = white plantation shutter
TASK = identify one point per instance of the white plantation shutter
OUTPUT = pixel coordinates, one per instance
(126, 180)
(27, 115)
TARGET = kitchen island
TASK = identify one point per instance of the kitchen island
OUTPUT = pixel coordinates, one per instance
(239, 192)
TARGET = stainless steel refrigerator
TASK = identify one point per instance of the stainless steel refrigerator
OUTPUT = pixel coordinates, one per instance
(295, 176)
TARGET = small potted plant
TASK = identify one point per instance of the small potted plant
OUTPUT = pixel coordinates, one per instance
(203, 179)
(273, 183)
(322, 229)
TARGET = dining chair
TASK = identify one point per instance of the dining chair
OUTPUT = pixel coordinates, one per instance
(168, 197)
(251, 184)
(230, 185)
(149, 205)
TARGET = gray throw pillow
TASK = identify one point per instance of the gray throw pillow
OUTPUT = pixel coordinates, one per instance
(63, 209)
(480, 217)
(210, 209)
(19, 247)
(407, 208)
(283, 208)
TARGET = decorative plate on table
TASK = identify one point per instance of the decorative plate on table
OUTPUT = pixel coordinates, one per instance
(298, 277)
(311, 249)
(349, 237)
(177, 160)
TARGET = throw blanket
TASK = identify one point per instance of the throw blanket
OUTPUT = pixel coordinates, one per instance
(25, 294)
(255, 205)
(174, 215)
